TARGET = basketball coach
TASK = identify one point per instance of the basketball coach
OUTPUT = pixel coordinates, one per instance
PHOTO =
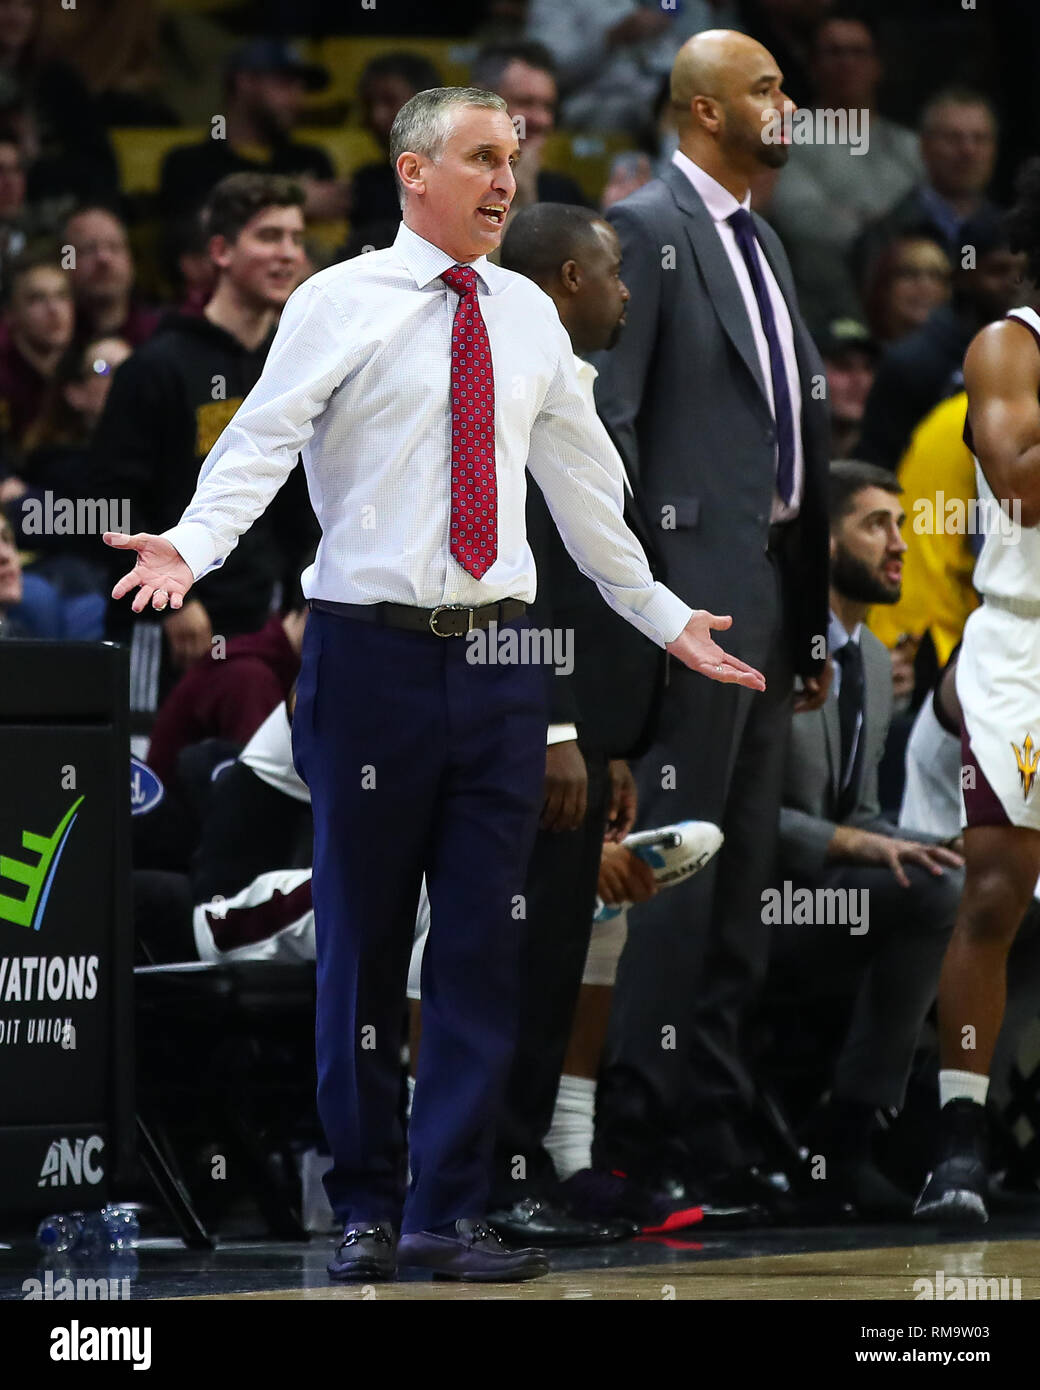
(714, 394)
(418, 382)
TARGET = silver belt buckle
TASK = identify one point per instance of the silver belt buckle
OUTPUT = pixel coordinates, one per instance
(450, 608)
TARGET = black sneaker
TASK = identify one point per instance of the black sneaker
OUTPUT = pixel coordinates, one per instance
(956, 1189)
(595, 1195)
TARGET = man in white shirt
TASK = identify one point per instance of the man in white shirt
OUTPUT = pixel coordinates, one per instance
(418, 382)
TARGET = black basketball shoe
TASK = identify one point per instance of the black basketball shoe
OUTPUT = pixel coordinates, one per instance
(956, 1189)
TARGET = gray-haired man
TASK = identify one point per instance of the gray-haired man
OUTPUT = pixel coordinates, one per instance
(418, 382)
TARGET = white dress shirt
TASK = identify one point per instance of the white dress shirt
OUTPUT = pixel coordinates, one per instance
(358, 379)
(721, 204)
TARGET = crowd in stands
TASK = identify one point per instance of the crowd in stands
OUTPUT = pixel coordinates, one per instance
(138, 309)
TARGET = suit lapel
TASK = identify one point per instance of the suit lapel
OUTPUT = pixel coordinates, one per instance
(721, 283)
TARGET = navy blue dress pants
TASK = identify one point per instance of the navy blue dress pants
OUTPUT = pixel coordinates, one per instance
(417, 762)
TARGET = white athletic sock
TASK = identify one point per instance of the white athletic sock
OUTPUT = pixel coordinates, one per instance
(569, 1141)
(411, 1096)
(962, 1085)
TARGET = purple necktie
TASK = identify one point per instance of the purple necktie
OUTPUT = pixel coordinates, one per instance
(744, 228)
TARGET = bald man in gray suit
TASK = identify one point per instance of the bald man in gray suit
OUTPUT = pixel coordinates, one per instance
(716, 395)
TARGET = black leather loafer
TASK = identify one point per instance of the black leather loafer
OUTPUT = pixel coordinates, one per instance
(365, 1253)
(474, 1254)
(532, 1220)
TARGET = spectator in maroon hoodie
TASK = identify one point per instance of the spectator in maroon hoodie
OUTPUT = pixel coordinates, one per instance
(229, 693)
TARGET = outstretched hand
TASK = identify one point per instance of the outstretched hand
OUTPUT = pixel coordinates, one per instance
(160, 573)
(695, 648)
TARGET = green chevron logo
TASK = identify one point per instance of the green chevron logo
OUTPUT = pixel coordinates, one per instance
(35, 878)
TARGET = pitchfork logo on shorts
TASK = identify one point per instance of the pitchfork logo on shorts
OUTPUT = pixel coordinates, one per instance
(28, 910)
(1027, 758)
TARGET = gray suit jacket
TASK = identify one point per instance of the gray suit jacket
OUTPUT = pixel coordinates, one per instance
(684, 393)
(807, 817)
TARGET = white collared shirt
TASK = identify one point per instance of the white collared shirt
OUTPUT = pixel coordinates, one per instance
(721, 204)
(587, 375)
(358, 379)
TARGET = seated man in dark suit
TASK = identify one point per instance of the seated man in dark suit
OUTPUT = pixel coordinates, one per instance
(862, 910)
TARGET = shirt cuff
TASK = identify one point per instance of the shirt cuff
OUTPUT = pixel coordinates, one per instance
(667, 613)
(561, 733)
(194, 544)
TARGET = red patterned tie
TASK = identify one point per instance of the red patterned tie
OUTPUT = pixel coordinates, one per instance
(474, 496)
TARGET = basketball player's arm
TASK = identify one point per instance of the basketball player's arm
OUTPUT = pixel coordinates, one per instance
(1002, 376)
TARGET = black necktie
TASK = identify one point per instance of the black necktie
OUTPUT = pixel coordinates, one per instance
(744, 229)
(850, 706)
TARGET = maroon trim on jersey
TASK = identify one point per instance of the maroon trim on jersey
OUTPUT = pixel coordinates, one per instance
(982, 806)
(1015, 319)
(244, 926)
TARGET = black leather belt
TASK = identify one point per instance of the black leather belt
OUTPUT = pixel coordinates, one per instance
(446, 620)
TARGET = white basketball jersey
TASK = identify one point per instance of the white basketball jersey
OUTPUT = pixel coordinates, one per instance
(1008, 566)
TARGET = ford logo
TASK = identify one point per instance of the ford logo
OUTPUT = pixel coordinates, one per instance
(146, 791)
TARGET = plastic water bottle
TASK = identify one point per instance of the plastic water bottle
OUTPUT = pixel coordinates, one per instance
(56, 1235)
(112, 1228)
(122, 1227)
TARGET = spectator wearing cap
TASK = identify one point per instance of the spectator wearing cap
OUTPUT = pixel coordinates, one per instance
(524, 75)
(910, 280)
(612, 55)
(265, 83)
(103, 278)
(386, 83)
(918, 372)
(958, 143)
(850, 359)
(830, 192)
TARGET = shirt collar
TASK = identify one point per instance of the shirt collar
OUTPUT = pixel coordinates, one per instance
(586, 371)
(836, 634)
(719, 201)
(426, 262)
